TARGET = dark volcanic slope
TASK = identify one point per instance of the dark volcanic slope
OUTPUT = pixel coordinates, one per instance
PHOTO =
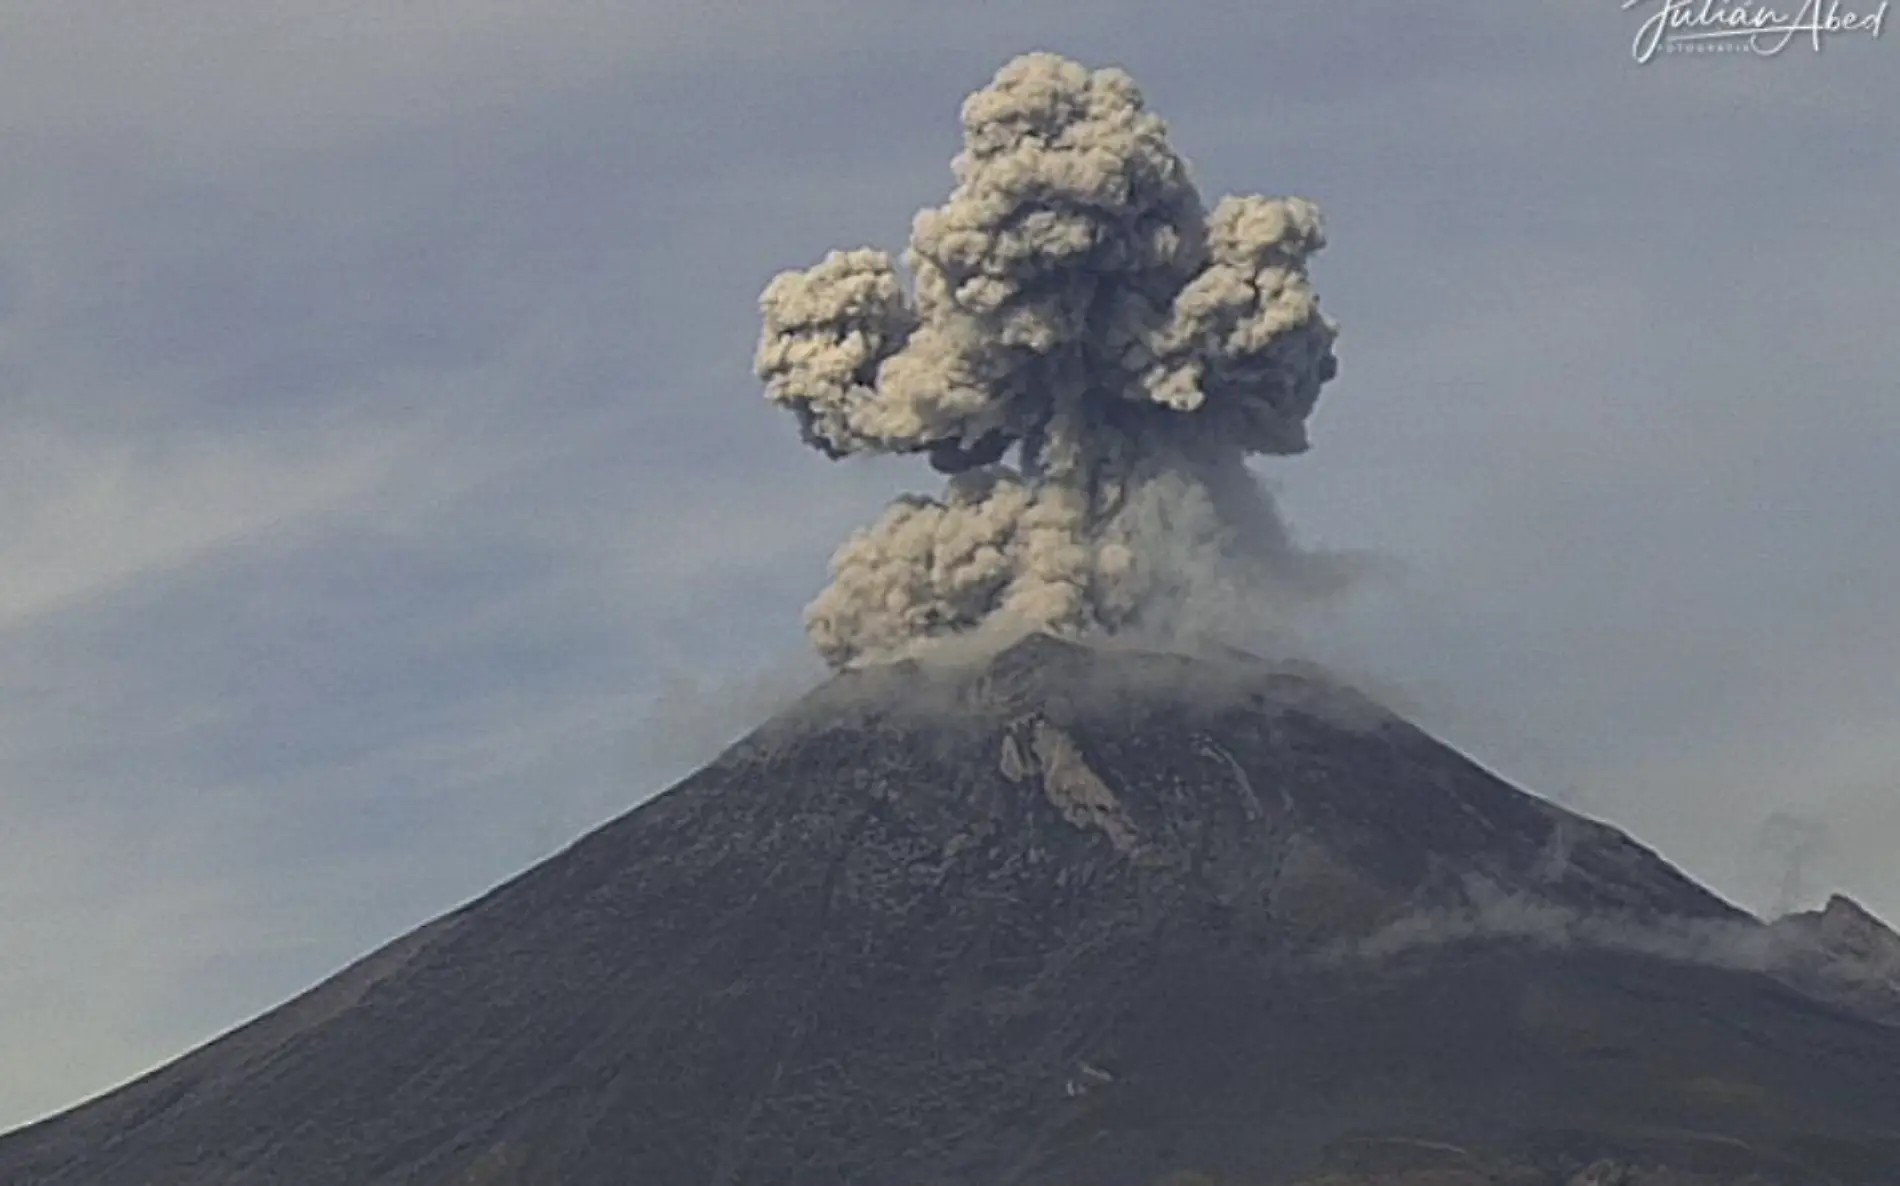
(1073, 917)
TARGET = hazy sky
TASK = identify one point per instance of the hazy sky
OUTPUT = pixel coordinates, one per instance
(385, 496)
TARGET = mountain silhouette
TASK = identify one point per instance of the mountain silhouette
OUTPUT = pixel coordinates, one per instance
(1073, 915)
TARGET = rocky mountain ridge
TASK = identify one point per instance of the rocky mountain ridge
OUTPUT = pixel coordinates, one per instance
(1064, 915)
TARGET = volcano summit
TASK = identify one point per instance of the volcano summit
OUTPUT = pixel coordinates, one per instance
(1069, 915)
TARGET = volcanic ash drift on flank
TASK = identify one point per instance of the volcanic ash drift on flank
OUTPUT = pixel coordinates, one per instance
(1090, 354)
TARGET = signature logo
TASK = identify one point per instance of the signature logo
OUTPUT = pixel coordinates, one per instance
(1711, 26)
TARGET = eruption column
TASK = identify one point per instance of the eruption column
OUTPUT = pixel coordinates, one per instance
(1090, 355)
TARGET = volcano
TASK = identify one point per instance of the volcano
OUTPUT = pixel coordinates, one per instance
(1064, 915)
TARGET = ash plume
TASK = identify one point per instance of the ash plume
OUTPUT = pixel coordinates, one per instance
(1787, 847)
(1090, 354)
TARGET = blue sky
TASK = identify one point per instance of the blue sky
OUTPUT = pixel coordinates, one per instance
(385, 497)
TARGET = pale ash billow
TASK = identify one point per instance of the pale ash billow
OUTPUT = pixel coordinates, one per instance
(1089, 353)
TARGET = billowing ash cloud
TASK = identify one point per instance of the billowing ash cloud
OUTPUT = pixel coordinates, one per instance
(1090, 354)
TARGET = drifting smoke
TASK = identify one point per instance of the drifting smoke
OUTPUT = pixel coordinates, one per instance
(1089, 353)
(1786, 850)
